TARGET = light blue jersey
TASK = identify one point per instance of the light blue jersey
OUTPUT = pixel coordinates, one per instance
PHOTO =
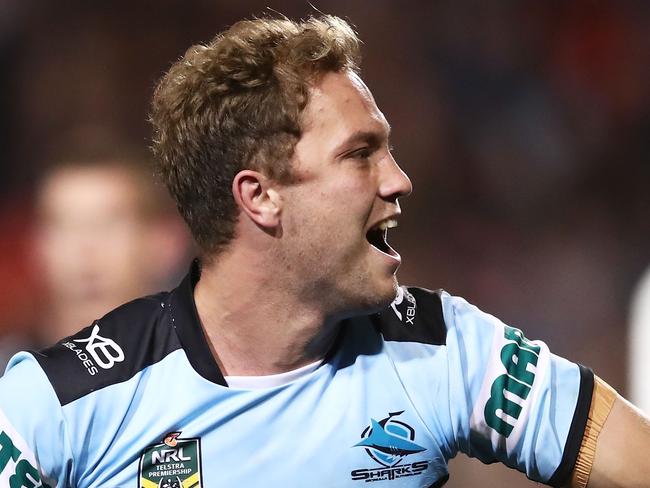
(137, 400)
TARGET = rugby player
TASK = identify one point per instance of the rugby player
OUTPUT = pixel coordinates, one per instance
(289, 355)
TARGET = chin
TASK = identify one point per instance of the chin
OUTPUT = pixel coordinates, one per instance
(390, 293)
(374, 298)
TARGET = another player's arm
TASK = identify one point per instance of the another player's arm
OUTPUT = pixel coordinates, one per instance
(614, 451)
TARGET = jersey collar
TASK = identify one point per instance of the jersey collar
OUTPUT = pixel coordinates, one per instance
(185, 320)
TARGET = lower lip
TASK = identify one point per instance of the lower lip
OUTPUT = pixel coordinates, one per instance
(394, 258)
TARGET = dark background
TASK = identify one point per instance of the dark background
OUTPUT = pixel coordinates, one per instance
(524, 127)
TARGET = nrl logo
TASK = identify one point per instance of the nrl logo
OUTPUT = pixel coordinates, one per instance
(174, 463)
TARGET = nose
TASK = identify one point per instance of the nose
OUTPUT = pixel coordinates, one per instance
(394, 182)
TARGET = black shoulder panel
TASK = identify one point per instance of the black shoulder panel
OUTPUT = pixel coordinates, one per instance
(414, 316)
(111, 350)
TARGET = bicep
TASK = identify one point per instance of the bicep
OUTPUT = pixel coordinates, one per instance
(512, 400)
(621, 458)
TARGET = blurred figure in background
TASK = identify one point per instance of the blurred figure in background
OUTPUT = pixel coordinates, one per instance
(104, 233)
(639, 344)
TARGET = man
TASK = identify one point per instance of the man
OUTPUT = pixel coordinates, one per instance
(103, 233)
(289, 356)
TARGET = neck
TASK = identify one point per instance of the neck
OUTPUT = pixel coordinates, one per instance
(256, 326)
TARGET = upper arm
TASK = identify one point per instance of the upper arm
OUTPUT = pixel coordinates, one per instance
(33, 444)
(512, 400)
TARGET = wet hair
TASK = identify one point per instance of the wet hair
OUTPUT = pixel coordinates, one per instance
(236, 103)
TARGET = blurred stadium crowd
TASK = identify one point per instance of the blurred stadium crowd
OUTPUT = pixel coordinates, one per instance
(525, 127)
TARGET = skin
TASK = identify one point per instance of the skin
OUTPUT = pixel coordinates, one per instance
(622, 450)
(349, 181)
(300, 261)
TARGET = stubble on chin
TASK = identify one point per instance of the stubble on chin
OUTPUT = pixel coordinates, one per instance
(371, 299)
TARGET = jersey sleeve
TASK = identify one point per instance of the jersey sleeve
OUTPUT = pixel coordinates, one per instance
(34, 449)
(511, 399)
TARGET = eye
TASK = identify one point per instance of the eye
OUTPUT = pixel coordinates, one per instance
(361, 153)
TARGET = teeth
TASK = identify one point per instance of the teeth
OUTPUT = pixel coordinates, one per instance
(387, 224)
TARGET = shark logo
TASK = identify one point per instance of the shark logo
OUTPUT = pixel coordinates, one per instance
(389, 441)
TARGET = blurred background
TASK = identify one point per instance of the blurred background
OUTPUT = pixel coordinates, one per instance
(525, 127)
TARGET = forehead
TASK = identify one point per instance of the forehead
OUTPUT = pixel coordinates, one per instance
(71, 191)
(341, 105)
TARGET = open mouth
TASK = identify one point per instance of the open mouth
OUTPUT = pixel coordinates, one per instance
(377, 236)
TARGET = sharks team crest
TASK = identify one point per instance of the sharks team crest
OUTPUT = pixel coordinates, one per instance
(388, 442)
(174, 463)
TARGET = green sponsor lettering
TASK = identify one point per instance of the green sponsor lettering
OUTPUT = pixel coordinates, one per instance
(516, 360)
(21, 480)
(24, 469)
(516, 335)
(498, 401)
(515, 356)
(7, 451)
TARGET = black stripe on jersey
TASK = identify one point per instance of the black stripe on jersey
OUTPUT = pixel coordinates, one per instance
(138, 332)
(417, 317)
(576, 431)
(186, 322)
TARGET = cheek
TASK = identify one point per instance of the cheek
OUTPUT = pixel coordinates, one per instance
(337, 208)
(352, 193)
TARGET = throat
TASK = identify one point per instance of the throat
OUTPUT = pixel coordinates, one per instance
(260, 335)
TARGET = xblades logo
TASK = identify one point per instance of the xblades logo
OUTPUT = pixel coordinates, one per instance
(388, 442)
(99, 351)
(405, 310)
(104, 351)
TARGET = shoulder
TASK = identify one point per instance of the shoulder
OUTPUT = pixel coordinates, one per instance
(430, 316)
(416, 315)
(111, 350)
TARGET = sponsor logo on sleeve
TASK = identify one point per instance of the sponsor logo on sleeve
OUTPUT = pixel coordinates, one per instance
(389, 442)
(174, 463)
(98, 351)
(15, 470)
(508, 391)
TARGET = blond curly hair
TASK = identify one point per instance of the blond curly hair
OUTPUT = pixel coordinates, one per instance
(236, 103)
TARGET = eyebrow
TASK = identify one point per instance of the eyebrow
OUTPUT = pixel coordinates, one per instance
(372, 138)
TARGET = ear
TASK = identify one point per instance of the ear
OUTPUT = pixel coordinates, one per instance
(256, 197)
